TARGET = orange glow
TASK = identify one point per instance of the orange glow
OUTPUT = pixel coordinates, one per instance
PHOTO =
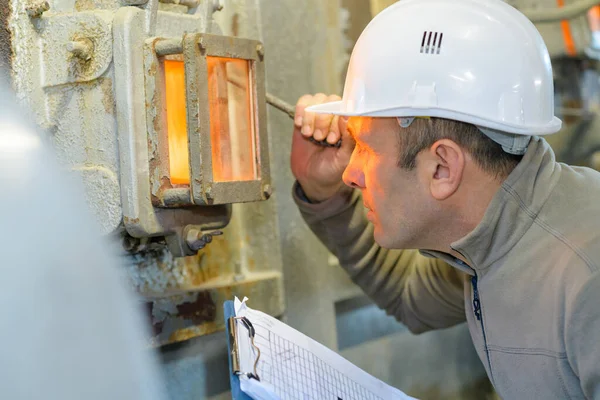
(567, 35)
(176, 122)
(594, 18)
(232, 124)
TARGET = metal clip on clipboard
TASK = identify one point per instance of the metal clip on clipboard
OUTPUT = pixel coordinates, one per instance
(233, 344)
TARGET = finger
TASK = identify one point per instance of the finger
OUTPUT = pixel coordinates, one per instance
(308, 123)
(301, 104)
(347, 139)
(333, 135)
(323, 122)
(322, 125)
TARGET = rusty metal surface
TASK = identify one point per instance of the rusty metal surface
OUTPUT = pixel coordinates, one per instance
(143, 155)
(205, 190)
(95, 128)
(158, 144)
(185, 295)
(181, 317)
(5, 37)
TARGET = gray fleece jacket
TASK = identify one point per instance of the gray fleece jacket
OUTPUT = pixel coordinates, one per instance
(530, 292)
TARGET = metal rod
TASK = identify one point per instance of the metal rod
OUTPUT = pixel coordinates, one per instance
(187, 3)
(281, 105)
(168, 46)
(291, 112)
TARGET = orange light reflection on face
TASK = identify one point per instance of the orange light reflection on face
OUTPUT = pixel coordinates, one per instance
(176, 122)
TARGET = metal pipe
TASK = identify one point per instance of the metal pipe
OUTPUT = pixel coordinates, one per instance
(281, 105)
(168, 46)
(557, 14)
(291, 112)
(187, 3)
(176, 196)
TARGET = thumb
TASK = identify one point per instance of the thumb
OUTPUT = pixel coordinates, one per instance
(347, 140)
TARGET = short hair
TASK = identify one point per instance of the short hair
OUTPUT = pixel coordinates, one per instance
(423, 133)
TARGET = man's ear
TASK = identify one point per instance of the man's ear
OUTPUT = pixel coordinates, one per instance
(447, 164)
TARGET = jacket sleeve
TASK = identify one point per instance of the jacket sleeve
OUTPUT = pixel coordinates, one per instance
(582, 327)
(423, 293)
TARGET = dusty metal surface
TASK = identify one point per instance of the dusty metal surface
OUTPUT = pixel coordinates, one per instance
(90, 29)
(5, 38)
(79, 66)
(139, 113)
(242, 262)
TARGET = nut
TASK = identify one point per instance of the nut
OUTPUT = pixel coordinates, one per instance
(193, 239)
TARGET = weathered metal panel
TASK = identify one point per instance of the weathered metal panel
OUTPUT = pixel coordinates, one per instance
(5, 38)
(91, 101)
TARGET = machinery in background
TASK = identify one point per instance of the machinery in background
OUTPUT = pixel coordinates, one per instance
(164, 119)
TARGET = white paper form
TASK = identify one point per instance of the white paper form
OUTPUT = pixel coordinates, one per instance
(296, 367)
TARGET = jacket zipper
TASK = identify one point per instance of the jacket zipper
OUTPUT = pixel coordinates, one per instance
(477, 312)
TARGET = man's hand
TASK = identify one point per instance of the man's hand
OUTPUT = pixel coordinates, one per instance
(319, 169)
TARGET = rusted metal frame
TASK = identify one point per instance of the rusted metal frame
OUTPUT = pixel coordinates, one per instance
(179, 316)
(197, 116)
(205, 190)
(164, 193)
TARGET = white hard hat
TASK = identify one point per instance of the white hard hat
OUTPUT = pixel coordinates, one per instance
(475, 61)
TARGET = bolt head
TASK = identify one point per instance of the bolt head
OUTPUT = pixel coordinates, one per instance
(267, 191)
(36, 9)
(260, 50)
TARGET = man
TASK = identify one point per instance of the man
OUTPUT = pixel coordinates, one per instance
(508, 238)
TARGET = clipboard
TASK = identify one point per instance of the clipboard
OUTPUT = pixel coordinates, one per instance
(291, 363)
(234, 380)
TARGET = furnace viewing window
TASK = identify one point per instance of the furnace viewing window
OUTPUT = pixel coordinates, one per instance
(177, 138)
(206, 115)
(232, 132)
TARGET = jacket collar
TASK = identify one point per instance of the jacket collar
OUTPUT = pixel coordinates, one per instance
(510, 213)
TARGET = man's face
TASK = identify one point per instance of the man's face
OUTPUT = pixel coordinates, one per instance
(398, 202)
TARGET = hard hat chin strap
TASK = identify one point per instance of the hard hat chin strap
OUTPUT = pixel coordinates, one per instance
(511, 143)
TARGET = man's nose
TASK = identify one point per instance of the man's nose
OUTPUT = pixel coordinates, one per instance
(353, 176)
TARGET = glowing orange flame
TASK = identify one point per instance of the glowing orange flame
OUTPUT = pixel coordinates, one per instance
(176, 122)
(232, 130)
